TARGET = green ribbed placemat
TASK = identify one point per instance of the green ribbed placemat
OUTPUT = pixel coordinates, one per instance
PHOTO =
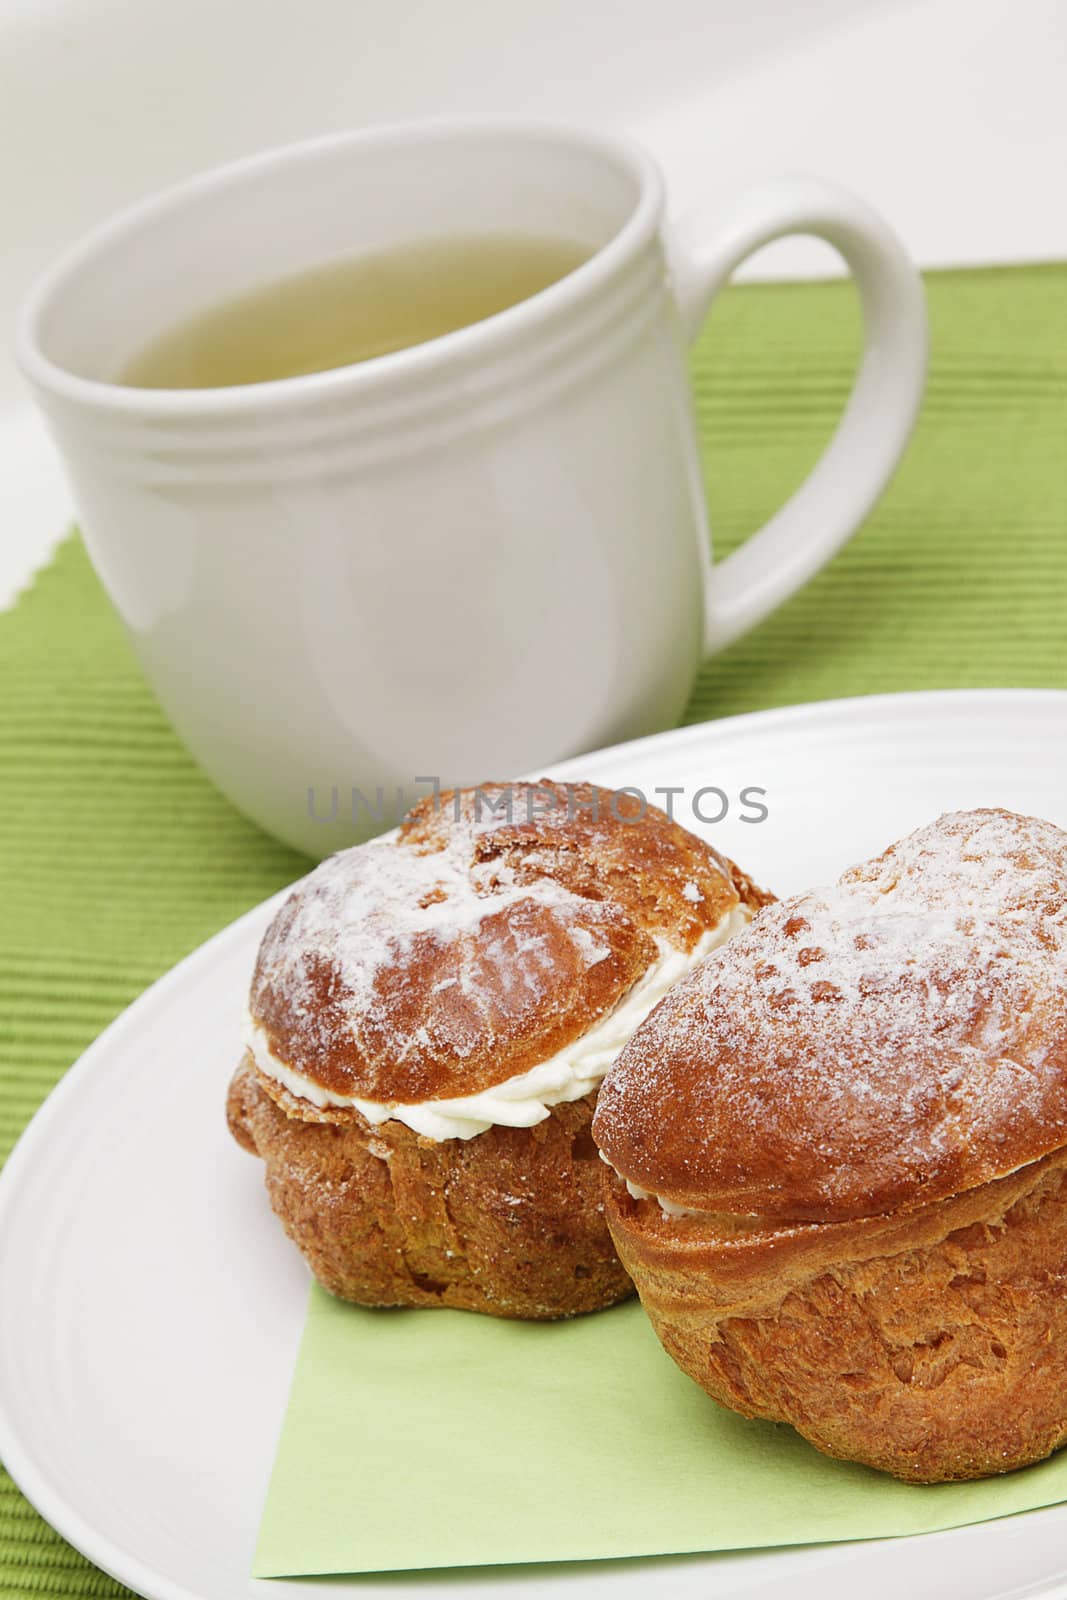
(117, 857)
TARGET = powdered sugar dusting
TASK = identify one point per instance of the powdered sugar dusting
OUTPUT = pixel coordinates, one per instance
(462, 938)
(891, 1038)
(372, 911)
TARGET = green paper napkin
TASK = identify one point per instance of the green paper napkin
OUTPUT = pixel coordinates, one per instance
(433, 1439)
(117, 856)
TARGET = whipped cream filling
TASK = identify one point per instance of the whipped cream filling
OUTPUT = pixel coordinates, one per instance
(527, 1098)
(635, 1191)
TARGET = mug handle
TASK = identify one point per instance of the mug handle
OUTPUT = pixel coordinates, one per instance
(856, 465)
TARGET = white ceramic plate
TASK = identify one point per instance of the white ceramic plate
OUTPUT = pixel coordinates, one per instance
(152, 1308)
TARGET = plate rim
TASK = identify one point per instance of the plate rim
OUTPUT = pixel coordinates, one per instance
(17, 1453)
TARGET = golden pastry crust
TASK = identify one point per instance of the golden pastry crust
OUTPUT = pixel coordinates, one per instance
(475, 943)
(890, 1040)
(510, 1223)
(928, 1344)
(863, 1098)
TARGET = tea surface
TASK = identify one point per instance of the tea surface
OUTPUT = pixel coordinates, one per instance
(351, 310)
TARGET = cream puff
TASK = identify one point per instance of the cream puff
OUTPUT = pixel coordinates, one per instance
(838, 1155)
(429, 1020)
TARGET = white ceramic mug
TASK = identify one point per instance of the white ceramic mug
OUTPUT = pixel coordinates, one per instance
(470, 558)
